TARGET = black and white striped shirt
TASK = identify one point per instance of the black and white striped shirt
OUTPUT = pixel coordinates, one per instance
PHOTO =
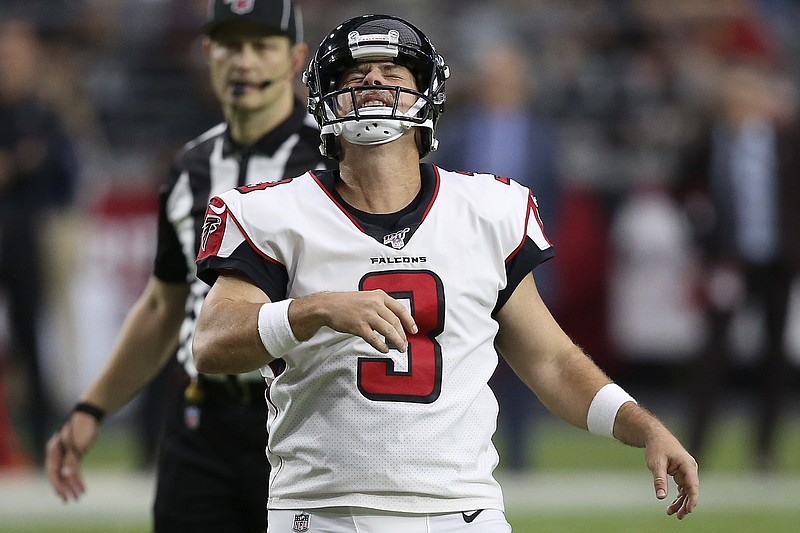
(207, 166)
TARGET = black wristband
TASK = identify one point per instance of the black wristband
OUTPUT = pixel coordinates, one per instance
(91, 410)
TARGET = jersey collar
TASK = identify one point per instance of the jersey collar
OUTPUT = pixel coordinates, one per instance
(393, 229)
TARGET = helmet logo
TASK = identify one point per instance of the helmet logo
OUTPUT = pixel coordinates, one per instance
(241, 7)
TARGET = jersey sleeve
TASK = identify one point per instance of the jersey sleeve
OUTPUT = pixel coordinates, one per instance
(170, 262)
(226, 245)
(533, 250)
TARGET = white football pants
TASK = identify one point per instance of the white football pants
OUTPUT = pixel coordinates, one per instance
(358, 520)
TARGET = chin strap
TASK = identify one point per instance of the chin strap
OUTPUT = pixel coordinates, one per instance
(376, 125)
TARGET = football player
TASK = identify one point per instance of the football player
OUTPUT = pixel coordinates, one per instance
(376, 299)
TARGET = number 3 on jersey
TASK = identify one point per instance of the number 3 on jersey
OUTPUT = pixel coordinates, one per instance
(422, 381)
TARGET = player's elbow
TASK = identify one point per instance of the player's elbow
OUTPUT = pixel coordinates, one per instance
(206, 351)
(226, 339)
(224, 352)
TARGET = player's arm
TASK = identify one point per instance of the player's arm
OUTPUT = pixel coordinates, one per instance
(229, 337)
(145, 343)
(226, 339)
(566, 381)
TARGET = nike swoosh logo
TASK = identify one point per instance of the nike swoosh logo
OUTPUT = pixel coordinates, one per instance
(468, 518)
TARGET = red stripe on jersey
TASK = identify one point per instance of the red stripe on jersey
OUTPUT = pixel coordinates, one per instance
(535, 210)
(252, 245)
(213, 231)
(533, 207)
(433, 196)
(356, 223)
(261, 186)
(216, 220)
(336, 203)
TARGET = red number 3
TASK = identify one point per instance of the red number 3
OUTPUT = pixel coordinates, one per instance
(422, 381)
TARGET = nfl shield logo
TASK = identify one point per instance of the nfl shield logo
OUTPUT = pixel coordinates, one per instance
(397, 239)
(191, 417)
(240, 7)
(300, 522)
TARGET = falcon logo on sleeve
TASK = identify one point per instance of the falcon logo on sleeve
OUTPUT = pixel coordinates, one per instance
(213, 228)
(210, 225)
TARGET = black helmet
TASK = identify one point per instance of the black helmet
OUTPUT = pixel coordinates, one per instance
(374, 38)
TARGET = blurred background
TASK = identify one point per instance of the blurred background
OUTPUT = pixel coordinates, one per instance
(640, 125)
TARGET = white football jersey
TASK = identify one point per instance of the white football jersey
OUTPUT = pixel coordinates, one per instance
(349, 426)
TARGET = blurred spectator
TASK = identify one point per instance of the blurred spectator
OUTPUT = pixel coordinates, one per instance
(739, 185)
(498, 129)
(37, 172)
(653, 315)
(10, 451)
(582, 270)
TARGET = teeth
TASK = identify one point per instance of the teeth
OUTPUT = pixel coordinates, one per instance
(374, 103)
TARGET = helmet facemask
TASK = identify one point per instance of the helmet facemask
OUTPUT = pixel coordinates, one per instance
(347, 115)
(352, 112)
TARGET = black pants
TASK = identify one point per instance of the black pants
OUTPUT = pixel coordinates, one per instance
(769, 286)
(212, 467)
(21, 281)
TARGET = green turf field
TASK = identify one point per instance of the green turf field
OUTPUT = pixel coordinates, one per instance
(717, 521)
(564, 460)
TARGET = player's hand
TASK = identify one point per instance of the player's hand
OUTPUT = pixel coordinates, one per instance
(666, 457)
(374, 316)
(65, 450)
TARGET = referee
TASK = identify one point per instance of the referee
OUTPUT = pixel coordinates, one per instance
(212, 472)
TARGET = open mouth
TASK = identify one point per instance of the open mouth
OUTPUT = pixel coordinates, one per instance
(374, 99)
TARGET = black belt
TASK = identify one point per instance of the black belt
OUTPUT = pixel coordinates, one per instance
(228, 391)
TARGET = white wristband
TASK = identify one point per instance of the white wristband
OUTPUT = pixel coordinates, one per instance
(274, 328)
(604, 407)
